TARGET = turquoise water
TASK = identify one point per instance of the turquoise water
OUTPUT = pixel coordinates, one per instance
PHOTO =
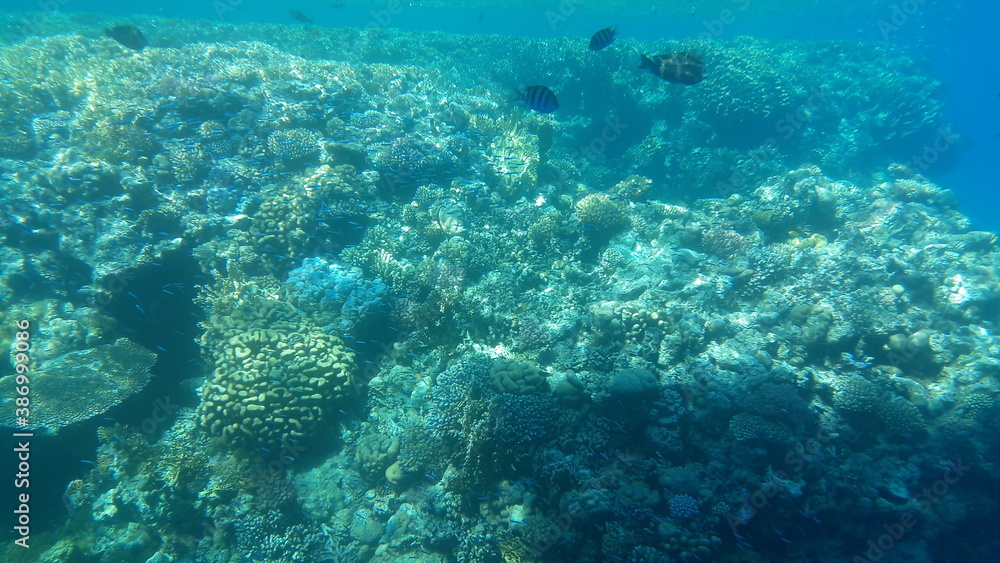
(326, 290)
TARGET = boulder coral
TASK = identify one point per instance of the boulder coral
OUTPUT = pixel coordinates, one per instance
(271, 386)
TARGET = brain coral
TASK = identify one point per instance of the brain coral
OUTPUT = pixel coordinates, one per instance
(512, 376)
(81, 385)
(375, 453)
(273, 385)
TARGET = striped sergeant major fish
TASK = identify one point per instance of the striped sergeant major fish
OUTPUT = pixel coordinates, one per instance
(603, 38)
(538, 98)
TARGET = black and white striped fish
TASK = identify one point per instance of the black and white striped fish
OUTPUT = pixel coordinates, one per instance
(603, 38)
(539, 98)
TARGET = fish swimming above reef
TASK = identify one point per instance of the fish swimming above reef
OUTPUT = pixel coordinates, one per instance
(299, 16)
(603, 38)
(682, 68)
(127, 35)
(539, 98)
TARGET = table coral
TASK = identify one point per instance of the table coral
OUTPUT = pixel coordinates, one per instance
(80, 385)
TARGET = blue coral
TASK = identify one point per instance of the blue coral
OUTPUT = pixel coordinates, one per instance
(683, 506)
(523, 420)
(455, 387)
(338, 295)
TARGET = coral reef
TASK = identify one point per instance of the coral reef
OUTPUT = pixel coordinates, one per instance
(435, 327)
(291, 145)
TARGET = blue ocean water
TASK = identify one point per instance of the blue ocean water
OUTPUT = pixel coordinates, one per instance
(399, 316)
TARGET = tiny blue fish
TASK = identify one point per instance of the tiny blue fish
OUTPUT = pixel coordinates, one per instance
(539, 98)
(603, 38)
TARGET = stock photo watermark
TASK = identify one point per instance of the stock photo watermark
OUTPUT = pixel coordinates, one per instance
(896, 530)
(808, 452)
(22, 451)
(46, 8)
(223, 7)
(942, 143)
(565, 10)
(777, 481)
(562, 523)
(786, 126)
(110, 287)
(612, 131)
(714, 28)
(899, 17)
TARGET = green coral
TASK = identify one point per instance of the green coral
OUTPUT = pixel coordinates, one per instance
(187, 162)
(616, 324)
(602, 216)
(513, 159)
(753, 84)
(73, 178)
(421, 450)
(81, 385)
(633, 384)
(288, 224)
(547, 229)
(114, 137)
(802, 202)
(747, 427)
(522, 378)
(270, 384)
(375, 453)
(856, 395)
(979, 407)
(901, 417)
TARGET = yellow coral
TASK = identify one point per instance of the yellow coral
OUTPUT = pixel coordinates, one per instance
(601, 214)
(272, 385)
